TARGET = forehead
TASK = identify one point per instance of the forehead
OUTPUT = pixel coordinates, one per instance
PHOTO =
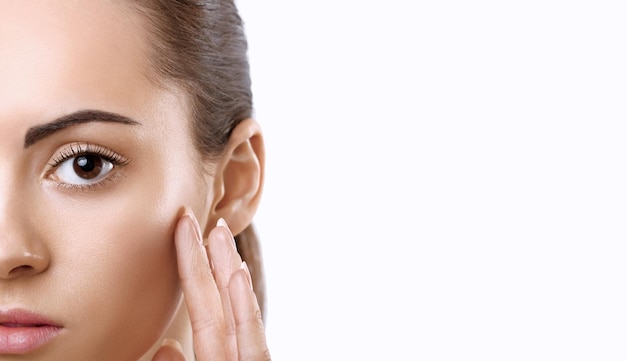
(63, 52)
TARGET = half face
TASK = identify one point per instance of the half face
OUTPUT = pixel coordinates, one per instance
(96, 163)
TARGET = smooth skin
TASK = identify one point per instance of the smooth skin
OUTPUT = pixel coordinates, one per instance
(117, 260)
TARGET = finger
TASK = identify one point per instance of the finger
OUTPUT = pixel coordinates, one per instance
(170, 350)
(224, 261)
(201, 294)
(251, 342)
(223, 254)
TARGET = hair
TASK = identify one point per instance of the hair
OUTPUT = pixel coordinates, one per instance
(201, 46)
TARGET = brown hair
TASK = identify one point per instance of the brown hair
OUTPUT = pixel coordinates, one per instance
(200, 45)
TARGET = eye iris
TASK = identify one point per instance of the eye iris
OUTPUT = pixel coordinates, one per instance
(88, 166)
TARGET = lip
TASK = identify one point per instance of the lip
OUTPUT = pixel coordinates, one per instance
(23, 331)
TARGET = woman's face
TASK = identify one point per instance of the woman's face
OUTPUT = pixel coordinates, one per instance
(96, 163)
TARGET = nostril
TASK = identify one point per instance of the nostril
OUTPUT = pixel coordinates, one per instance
(18, 262)
(20, 270)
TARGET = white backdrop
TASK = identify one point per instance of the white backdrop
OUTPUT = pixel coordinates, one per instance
(445, 179)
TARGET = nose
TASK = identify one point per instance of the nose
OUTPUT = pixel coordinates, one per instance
(16, 262)
(24, 249)
(22, 252)
(21, 255)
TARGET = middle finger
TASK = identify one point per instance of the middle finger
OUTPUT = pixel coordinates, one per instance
(224, 261)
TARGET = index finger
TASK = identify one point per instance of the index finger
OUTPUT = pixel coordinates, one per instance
(200, 290)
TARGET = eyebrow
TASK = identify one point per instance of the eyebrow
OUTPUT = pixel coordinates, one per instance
(39, 132)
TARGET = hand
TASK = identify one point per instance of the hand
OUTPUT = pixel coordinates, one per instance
(225, 316)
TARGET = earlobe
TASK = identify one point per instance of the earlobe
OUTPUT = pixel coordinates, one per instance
(239, 177)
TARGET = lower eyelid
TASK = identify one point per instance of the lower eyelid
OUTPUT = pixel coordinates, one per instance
(90, 187)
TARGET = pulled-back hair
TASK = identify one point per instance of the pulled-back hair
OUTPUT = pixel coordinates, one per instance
(200, 46)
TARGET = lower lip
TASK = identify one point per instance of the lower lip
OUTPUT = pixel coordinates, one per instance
(21, 340)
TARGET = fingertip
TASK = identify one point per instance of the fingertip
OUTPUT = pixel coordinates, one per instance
(190, 251)
(221, 222)
(251, 342)
(170, 350)
(168, 342)
(243, 299)
(244, 267)
(188, 226)
(223, 232)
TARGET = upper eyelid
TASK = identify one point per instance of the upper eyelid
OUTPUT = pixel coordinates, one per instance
(77, 148)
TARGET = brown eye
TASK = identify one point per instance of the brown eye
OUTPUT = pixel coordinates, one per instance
(83, 169)
(88, 166)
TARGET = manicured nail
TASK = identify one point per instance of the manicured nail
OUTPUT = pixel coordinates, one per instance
(244, 266)
(222, 223)
(194, 225)
(172, 343)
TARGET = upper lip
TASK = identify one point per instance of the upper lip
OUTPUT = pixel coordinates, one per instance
(18, 317)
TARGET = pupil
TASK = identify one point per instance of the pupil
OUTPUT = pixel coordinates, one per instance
(88, 166)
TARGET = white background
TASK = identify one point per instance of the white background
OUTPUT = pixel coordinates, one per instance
(445, 179)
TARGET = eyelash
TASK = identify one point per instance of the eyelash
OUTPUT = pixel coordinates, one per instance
(78, 149)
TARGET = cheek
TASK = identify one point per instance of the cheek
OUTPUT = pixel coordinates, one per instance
(115, 257)
(129, 281)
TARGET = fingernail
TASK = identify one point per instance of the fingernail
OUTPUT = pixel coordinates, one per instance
(244, 266)
(221, 222)
(172, 343)
(194, 225)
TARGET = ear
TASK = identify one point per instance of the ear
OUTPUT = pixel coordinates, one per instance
(239, 175)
